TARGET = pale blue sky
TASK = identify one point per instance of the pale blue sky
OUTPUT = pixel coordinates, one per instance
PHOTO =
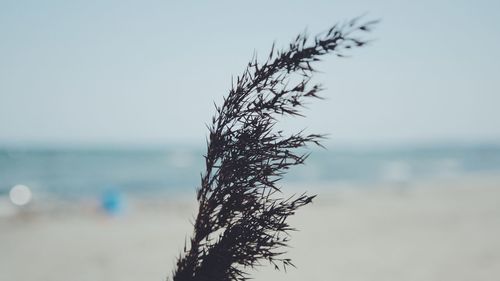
(146, 72)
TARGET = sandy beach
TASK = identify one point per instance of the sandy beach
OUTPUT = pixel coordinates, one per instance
(441, 230)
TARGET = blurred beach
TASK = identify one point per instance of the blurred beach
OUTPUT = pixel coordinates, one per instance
(408, 214)
(445, 230)
(104, 109)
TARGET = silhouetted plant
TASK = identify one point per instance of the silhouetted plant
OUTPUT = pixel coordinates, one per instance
(242, 219)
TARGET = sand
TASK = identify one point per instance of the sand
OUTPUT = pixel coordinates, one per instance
(441, 230)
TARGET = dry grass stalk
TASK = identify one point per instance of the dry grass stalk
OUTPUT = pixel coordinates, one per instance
(242, 219)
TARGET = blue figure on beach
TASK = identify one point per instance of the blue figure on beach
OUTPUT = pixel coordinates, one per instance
(112, 202)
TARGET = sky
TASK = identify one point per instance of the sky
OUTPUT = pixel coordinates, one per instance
(148, 72)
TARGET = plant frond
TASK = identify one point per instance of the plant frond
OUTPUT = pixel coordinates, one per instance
(242, 219)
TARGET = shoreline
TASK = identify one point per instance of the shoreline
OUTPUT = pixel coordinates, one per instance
(47, 205)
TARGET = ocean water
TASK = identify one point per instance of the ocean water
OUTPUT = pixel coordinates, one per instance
(73, 173)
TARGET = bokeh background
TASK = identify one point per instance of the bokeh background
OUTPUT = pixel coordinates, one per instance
(103, 106)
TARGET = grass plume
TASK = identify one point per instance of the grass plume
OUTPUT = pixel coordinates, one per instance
(242, 216)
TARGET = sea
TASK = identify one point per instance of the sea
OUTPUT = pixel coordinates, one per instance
(78, 172)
